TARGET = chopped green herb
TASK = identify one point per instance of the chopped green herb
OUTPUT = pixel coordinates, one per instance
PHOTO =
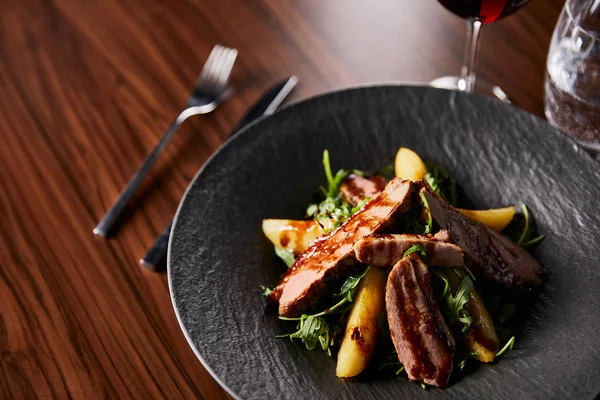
(286, 255)
(360, 205)
(265, 290)
(462, 363)
(508, 346)
(312, 331)
(350, 285)
(312, 210)
(417, 248)
(429, 225)
(423, 386)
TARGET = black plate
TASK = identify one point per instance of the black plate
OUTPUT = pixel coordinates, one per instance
(499, 154)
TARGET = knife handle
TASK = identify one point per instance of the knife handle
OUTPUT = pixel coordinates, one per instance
(155, 257)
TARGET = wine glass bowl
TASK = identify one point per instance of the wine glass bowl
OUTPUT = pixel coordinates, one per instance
(476, 12)
(486, 11)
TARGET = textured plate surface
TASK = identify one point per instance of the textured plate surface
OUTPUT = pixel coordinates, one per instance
(499, 154)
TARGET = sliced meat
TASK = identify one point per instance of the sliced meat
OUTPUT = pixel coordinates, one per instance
(356, 188)
(387, 250)
(490, 255)
(331, 257)
(422, 339)
(443, 236)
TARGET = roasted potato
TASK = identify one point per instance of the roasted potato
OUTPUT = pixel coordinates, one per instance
(291, 235)
(408, 165)
(496, 218)
(361, 329)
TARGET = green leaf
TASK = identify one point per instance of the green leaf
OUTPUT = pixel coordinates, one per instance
(360, 205)
(441, 182)
(525, 240)
(312, 331)
(525, 232)
(286, 255)
(265, 290)
(417, 248)
(387, 172)
(333, 182)
(508, 346)
(429, 225)
(456, 303)
(349, 286)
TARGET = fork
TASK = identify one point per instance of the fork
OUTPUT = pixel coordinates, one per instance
(209, 91)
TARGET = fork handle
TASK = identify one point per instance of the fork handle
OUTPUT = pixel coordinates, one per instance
(107, 222)
(158, 252)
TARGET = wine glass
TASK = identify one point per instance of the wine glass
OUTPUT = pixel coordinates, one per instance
(573, 73)
(476, 12)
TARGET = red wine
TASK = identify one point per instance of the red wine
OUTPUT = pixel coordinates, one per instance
(485, 11)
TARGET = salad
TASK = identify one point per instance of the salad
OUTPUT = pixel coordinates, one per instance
(388, 274)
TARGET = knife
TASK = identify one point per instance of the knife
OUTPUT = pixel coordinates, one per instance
(266, 105)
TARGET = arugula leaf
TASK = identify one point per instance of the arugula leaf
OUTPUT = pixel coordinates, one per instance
(349, 286)
(333, 207)
(508, 346)
(441, 182)
(387, 172)
(456, 303)
(334, 182)
(286, 255)
(524, 239)
(265, 290)
(312, 331)
(443, 277)
(417, 248)
(429, 225)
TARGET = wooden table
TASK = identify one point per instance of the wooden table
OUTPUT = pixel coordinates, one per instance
(88, 87)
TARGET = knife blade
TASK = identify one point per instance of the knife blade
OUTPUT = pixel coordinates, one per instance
(266, 105)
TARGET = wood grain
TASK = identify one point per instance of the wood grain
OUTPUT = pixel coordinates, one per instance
(87, 89)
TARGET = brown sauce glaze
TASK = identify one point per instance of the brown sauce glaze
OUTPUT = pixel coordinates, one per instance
(423, 342)
(332, 256)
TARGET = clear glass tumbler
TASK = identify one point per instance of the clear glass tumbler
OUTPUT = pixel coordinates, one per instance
(573, 73)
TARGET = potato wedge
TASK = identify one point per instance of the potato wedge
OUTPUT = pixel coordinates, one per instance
(292, 235)
(496, 218)
(481, 339)
(361, 329)
(408, 165)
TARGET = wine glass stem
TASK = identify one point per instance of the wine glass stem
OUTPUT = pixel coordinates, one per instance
(467, 78)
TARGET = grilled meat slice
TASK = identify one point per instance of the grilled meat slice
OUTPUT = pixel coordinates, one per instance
(443, 236)
(422, 339)
(490, 255)
(331, 257)
(356, 188)
(387, 250)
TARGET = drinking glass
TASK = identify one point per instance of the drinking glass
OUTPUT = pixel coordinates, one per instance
(476, 12)
(573, 73)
